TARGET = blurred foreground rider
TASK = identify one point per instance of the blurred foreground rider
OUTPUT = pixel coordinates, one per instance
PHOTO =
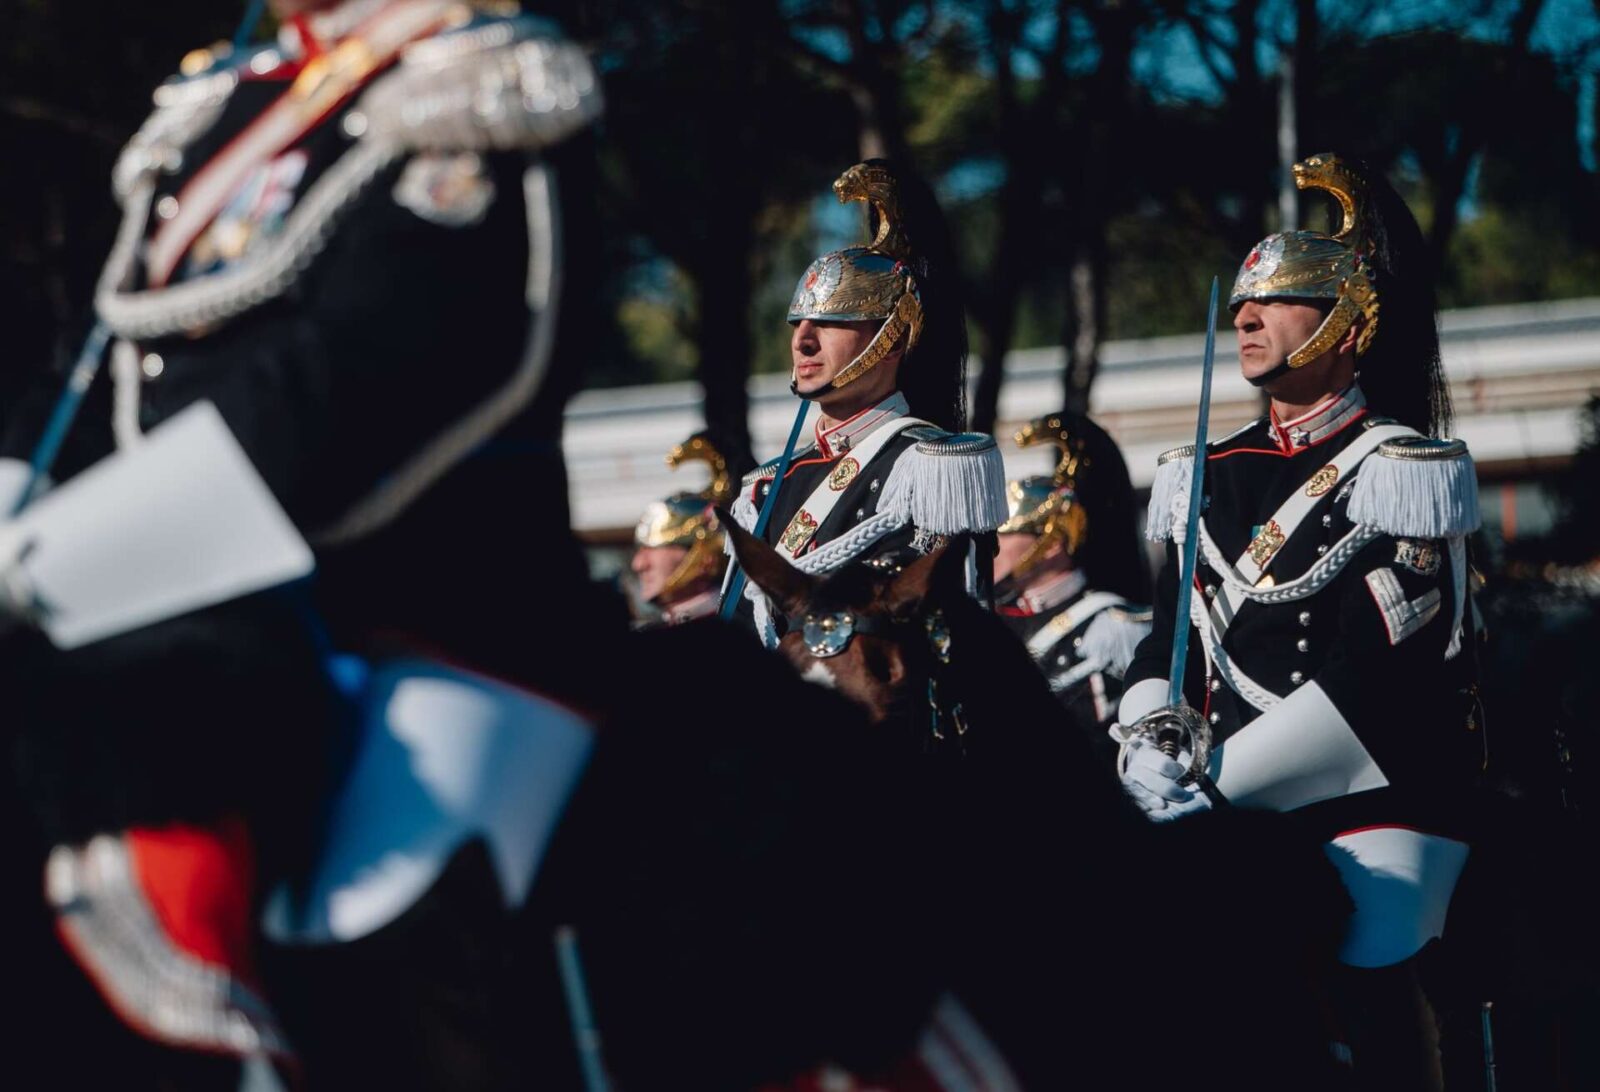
(339, 267)
(1332, 649)
(879, 344)
(1070, 569)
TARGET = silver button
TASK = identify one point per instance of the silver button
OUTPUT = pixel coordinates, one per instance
(1211, 591)
(1214, 685)
(1216, 718)
(861, 513)
(1305, 618)
(1061, 661)
(1077, 642)
(152, 365)
(1322, 549)
(1303, 645)
(1297, 677)
(354, 124)
(167, 207)
(1327, 519)
(873, 488)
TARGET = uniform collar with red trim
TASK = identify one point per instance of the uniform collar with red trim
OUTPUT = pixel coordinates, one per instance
(307, 35)
(1051, 594)
(1318, 424)
(696, 606)
(849, 433)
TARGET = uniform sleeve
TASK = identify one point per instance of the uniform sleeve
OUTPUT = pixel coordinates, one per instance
(1145, 683)
(1152, 658)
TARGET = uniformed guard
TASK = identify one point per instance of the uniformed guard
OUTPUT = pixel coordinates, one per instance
(1331, 631)
(337, 278)
(879, 344)
(1069, 572)
(678, 556)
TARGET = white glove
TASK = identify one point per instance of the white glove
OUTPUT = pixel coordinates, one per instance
(1151, 778)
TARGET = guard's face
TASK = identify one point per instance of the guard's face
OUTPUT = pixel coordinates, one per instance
(1012, 547)
(654, 566)
(821, 350)
(1270, 330)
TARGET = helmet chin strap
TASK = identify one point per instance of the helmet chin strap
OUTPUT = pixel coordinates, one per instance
(847, 370)
(1266, 377)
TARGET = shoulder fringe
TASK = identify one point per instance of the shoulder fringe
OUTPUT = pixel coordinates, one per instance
(513, 84)
(948, 484)
(1418, 487)
(1112, 636)
(743, 510)
(1173, 471)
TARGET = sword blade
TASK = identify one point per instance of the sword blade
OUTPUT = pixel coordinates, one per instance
(734, 579)
(1191, 541)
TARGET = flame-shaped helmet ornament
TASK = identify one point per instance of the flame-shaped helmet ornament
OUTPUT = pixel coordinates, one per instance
(876, 282)
(1046, 506)
(687, 519)
(1311, 265)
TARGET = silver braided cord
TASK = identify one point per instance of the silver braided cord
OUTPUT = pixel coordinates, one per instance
(1217, 660)
(214, 299)
(1313, 580)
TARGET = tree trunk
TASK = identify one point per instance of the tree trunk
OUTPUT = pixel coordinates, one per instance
(722, 334)
(1085, 325)
(996, 325)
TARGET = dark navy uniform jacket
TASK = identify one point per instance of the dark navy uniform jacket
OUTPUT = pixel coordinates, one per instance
(1374, 639)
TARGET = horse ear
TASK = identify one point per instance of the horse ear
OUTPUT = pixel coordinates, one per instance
(933, 574)
(786, 585)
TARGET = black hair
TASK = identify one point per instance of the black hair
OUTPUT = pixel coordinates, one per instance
(933, 376)
(1111, 555)
(1401, 372)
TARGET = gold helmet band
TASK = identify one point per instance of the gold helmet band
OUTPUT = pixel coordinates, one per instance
(687, 519)
(868, 283)
(1047, 506)
(1312, 265)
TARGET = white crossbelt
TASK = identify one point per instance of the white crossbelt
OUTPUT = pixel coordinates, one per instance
(1237, 579)
(1070, 619)
(811, 515)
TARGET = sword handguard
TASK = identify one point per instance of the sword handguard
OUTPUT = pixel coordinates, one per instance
(1176, 729)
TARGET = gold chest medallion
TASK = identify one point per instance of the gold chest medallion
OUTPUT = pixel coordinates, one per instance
(798, 533)
(843, 474)
(1266, 543)
(1322, 481)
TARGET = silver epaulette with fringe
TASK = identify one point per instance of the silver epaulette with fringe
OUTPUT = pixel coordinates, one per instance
(1418, 487)
(513, 84)
(510, 85)
(948, 483)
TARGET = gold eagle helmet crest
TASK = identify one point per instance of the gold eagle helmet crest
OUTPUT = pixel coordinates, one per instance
(876, 282)
(1318, 266)
(687, 518)
(1046, 506)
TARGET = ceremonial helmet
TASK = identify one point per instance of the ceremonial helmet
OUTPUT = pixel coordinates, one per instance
(1378, 250)
(1086, 503)
(687, 518)
(878, 282)
(1312, 265)
(1046, 505)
